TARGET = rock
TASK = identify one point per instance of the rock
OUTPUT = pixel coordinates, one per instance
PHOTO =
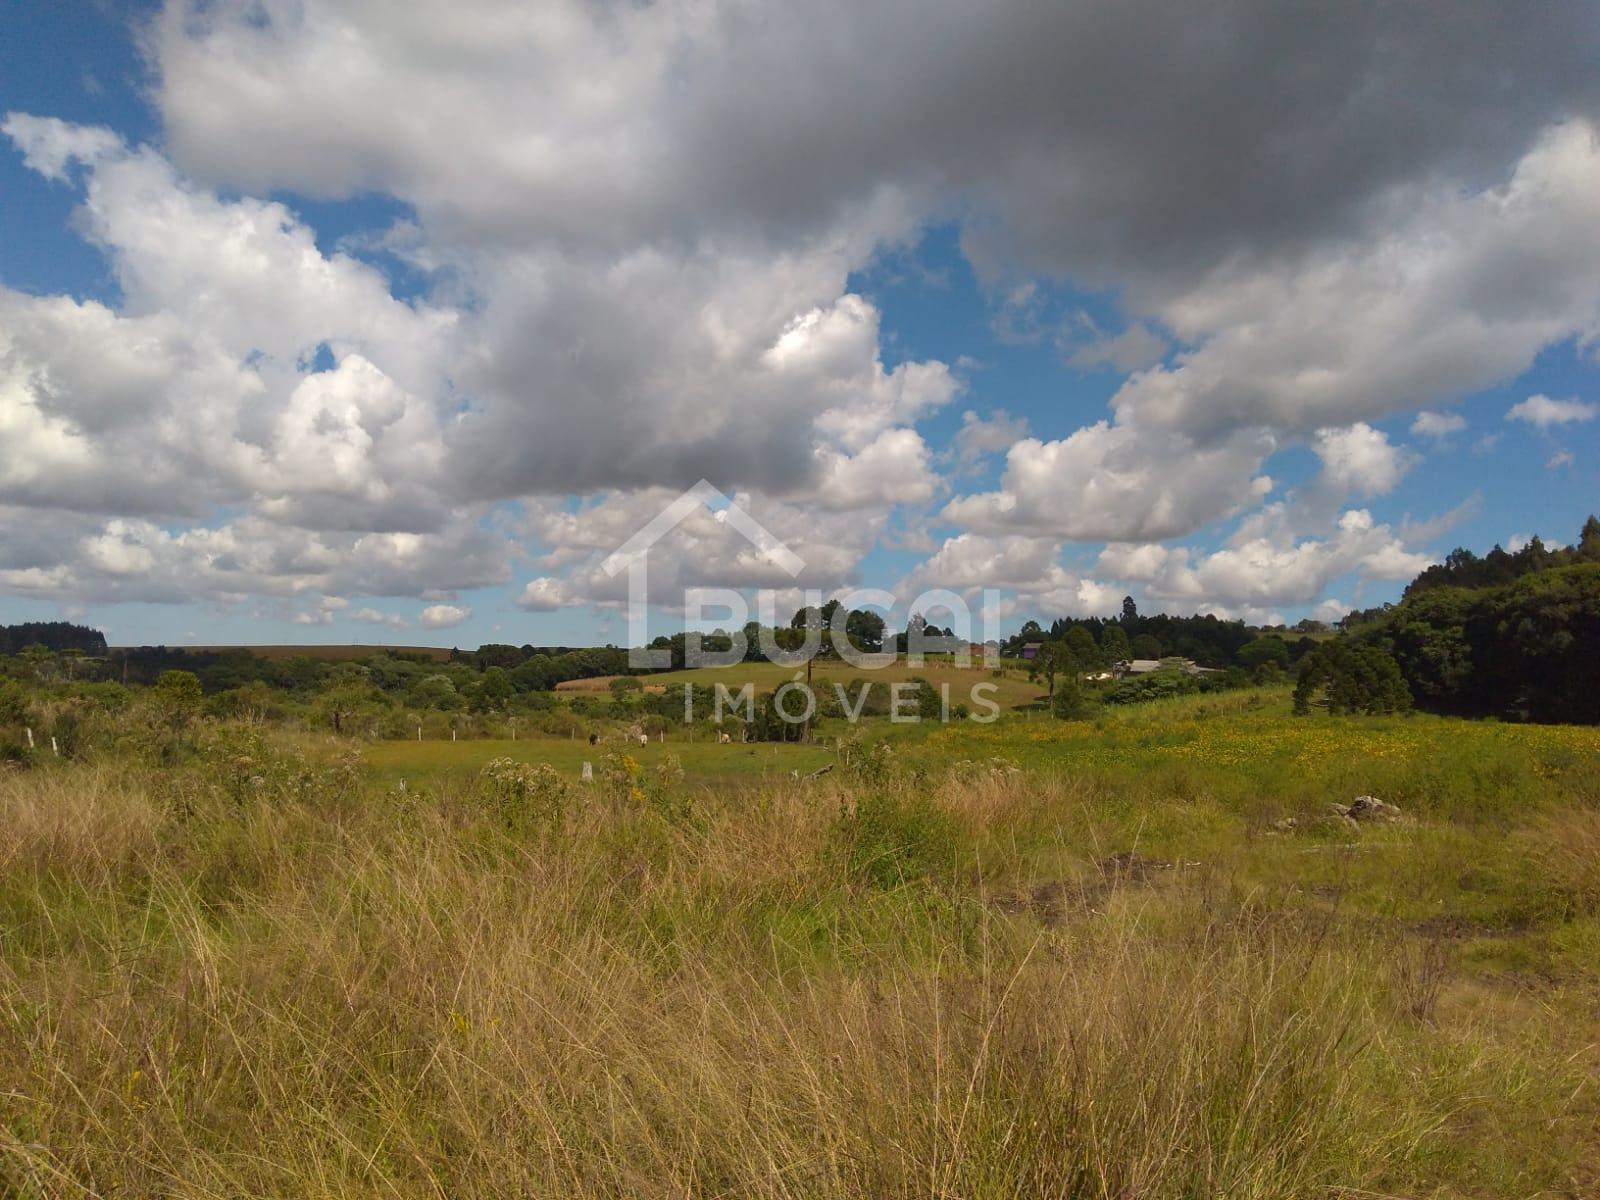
(1370, 808)
(1338, 819)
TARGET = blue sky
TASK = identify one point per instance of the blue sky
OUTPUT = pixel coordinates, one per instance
(318, 330)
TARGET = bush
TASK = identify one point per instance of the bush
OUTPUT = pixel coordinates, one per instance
(560, 721)
(864, 762)
(13, 702)
(1069, 703)
(178, 694)
(523, 796)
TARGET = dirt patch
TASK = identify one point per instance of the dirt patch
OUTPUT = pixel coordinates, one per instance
(1052, 901)
(1130, 867)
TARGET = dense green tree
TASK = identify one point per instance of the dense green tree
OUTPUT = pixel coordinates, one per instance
(494, 691)
(436, 691)
(1588, 547)
(865, 630)
(1068, 702)
(495, 655)
(533, 675)
(1427, 635)
(1535, 646)
(346, 692)
(1264, 653)
(1507, 635)
(1081, 650)
(1146, 645)
(1462, 568)
(178, 695)
(809, 617)
(1114, 645)
(1351, 679)
(53, 636)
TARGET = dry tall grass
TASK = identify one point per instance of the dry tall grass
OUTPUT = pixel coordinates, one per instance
(353, 993)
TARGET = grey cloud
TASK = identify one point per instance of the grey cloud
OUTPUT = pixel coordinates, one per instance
(1109, 142)
(981, 436)
(1134, 349)
(1418, 313)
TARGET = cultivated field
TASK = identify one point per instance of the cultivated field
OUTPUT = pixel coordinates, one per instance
(349, 653)
(1026, 959)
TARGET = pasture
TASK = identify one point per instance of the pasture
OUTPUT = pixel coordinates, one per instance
(704, 761)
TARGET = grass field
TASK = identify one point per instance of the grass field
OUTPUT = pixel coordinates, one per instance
(1085, 959)
(704, 761)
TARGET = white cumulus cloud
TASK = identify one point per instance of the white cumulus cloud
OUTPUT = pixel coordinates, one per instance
(1544, 412)
(442, 616)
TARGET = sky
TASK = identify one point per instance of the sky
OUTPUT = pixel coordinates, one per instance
(338, 321)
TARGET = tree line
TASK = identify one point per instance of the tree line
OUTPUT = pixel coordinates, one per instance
(1515, 636)
(54, 636)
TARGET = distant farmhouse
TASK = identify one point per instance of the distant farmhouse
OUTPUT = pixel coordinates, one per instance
(1143, 666)
(1137, 666)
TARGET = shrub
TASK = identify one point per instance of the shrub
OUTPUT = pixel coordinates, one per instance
(178, 695)
(864, 762)
(13, 702)
(620, 779)
(523, 796)
(1069, 702)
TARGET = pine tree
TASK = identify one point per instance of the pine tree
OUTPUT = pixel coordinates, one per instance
(1589, 541)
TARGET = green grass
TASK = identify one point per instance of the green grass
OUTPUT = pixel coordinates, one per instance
(1031, 958)
(704, 761)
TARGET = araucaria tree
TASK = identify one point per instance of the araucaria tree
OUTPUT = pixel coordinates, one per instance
(1351, 679)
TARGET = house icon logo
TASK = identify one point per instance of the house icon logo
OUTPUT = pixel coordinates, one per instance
(634, 554)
